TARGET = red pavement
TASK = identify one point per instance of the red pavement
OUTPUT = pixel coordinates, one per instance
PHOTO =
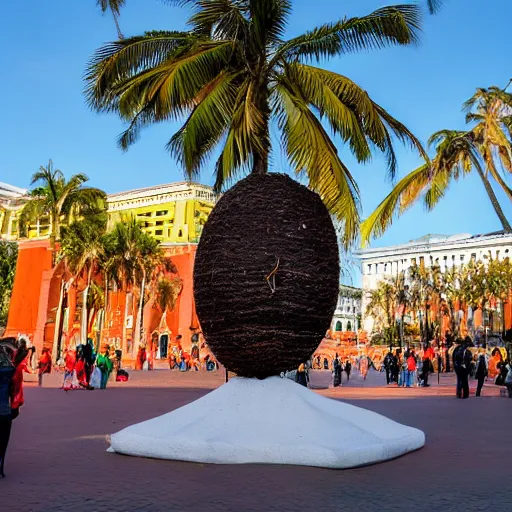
(57, 459)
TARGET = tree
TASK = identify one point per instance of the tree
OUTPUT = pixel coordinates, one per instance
(133, 258)
(234, 76)
(114, 6)
(382, 306)
(81, 248)
(60, 200)
(491, 110)
(8, 258)
(456, 156)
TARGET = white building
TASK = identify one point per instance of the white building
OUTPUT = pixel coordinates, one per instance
(378, 264)
(348, 309)
(11, 201)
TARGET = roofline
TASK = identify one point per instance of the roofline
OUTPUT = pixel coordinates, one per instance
(156, 188)
(412, 247)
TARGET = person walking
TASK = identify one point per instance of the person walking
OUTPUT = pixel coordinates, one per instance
(337, 367)
(388, 367)
(348, 368)
(45, 365)
(461, 363)
(104, 363)
(482, 370)
(427, 368)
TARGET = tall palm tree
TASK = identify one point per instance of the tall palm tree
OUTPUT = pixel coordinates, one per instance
(59, 199)
(81, 248)
(133, 258)
(491, 110)
(457, 154)
(114, 6)
(233, 76)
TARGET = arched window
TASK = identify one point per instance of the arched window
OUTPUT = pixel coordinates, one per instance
(349, 326)
(338, 326)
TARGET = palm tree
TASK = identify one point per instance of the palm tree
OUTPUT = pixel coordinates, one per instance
(382, 306)
(8, 258)
(133, 258)
(81, 248)
(114, 6)
(491, 110)
(457, 154)
(60, 200)
(234, 76)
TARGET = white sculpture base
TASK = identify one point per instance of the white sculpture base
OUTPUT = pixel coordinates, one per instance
(273, 421)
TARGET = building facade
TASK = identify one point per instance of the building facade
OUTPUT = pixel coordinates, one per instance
(446, 251)
(46, 301)
(347, 316)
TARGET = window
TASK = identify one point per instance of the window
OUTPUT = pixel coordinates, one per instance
(159, 223)
(349, 325)
(159, 232)
(413, 262)
(462, 257)
(473, 256)
(161, 213)
(422, 260)
(353, 309)
(369, 269)
(338, 326)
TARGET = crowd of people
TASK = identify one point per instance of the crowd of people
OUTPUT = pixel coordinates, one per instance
(199, 358)
(86, 369)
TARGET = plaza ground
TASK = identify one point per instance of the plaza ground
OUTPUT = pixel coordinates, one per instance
(57, 459)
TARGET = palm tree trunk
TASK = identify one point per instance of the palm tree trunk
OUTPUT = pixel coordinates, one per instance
(492, 196)
(56, 349)
(118, 28)
(261, 154)
(85, 316)
(140, 325)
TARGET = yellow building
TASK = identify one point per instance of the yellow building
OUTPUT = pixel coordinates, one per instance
(173, 213)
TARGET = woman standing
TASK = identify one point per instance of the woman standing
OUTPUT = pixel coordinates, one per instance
(7, 391)
(45, 365)
(337, 367)
(104, 364)
(481, 372)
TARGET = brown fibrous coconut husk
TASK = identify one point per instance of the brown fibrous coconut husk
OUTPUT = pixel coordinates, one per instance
(266, 275)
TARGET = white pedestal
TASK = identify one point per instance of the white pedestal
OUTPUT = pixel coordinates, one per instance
(274, 421)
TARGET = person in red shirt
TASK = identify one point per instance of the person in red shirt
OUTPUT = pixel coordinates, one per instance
(411, 369)
(428, 356)
(70, 363)
(45, 365)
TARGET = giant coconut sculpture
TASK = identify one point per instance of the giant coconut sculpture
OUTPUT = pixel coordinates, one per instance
(266, 283)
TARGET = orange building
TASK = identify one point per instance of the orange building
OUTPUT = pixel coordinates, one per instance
(46, 302)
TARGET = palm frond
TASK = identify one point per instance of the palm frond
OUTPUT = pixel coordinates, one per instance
(312, 153)
(205, 126)
(119, 61)
(351, 113)
(388, 26)
(404, 195)
(268, 21)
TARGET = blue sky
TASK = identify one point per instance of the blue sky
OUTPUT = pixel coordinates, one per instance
(46, 46)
